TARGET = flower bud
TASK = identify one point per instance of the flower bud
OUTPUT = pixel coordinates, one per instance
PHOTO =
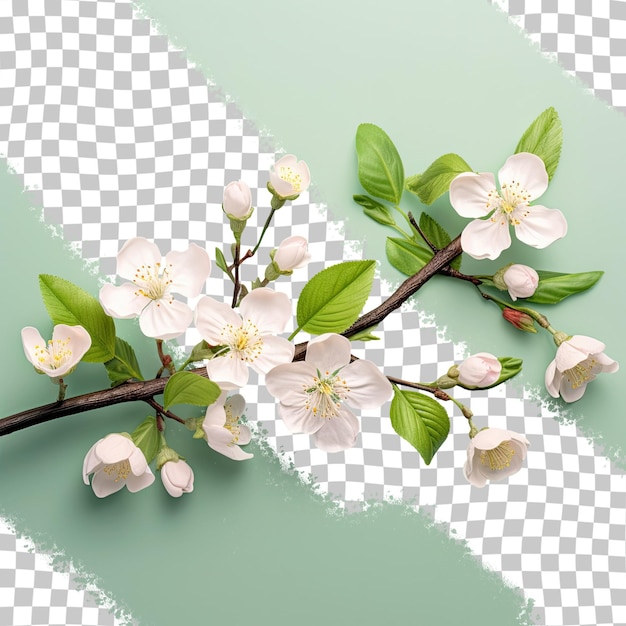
(520, 280)
(177, 477)
(521, 321)
(479, 370)
(291, 254)
(237, 203)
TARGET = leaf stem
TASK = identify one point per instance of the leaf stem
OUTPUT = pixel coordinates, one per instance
(162, 412)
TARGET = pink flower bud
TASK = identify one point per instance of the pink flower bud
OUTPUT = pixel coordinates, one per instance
(521, 321)
(237, 200)
(177, 478)
(521, 281)
(479, 370)
(292, 253)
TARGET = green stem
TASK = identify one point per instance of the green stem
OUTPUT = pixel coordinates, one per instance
(236, 262)
(265, 227)
(294, 333)
(403, 232)
(404, 215)
(62, 390)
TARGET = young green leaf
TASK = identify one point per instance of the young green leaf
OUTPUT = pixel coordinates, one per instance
(544, 137)
(332, 300)
(375, 210)
(124, 365)
(434, 231)
(202, 351)
(220, 261)
(422, 421)
(407, 257)
(147, 438)
(380, 167)
(188, 388)
(365, 335)
(435, 181)
(554, 287)
(67, 303)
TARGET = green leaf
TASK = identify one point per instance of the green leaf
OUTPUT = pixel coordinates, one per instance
(380, 167)
(375, 210)
(422, 421)
(332, 300)
(405, 256)
(203, 350)
(435, 181)
(220, 261)
(438, 236)
(68, 304)
(544, 137)
(365, 335)
(554, 287)
(124, 365)
(189, 388)
(147, 438)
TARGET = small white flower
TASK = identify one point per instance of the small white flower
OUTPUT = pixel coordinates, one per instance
(523, 178)
(149, 296)
(479, 370)
(177, 478)
(494, 454)
(292, 253)
(237, 202)
(579, 359)
(521, 281)
(116, 462)
(289, 177)
(312, 393)
(224, 433)
(249, 337)
(60, 355)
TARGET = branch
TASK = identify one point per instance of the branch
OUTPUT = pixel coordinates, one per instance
(146, 390)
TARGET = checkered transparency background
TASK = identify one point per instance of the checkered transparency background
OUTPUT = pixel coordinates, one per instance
(115, 135)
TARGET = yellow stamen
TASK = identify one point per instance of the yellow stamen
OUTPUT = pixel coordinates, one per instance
(498, 458)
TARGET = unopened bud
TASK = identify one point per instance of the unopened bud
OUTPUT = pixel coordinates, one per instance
(521, 321)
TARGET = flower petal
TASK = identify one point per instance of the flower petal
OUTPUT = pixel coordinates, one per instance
(328, 352)
(215, 414)
(137, 483)
(528, 170)
(276, 351)
(538, 226)
(137, 462)
(568, 356)
(269, 310)
(288, 382)
(135, 253)
(165, 319)
(298, 419)
(469, 194)
(338, 433)
(104, 485)
(587, 345)
(474, 477)
(212, 317)
(569, 393)
(220, 440)
(122, 302)
(114, 448)
(486, 239)
(90, 463)
(228, 371)
(245, 436)
(491, 438)
(553, 379)
(369, 387)
(190, 269)
(607, 364)
(237, 404)
(30, 339)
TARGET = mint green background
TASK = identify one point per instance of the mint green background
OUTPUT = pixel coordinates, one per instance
(252, 543)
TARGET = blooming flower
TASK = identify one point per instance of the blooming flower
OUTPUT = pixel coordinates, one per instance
(115, 461)
(312, 393)
(289, 177)
(479, 370)
(494, 454)
(149, 296)
(579, 359)
(60, 355)
(292, 254)
(521, 281)
(248, 336)
(223, 431)
(177, 478)
(523, 178)
(237, 202)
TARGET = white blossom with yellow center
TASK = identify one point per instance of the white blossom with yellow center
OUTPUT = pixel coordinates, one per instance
(315, 394)
(154, 281)
(116, 462)
(494, 454)
(289, 177)
(60, 355)
(579, 359)
(223, 430)
(247, 338)
(523, 178)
